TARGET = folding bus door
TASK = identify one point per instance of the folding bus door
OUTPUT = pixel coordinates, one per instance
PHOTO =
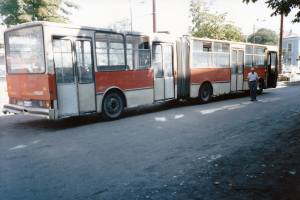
(240, 69)
(65, 77)
(164, 86)
(159, 81)
(233, 70)
(85, 76)
(74, 76)
(237, 70)
(168, 71)
(272, 70)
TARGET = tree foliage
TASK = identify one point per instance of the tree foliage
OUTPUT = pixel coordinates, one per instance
(264, 36)
(282, 7)
(20, 11)
(214, 26)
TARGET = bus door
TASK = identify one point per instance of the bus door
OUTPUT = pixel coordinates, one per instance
(74, 76)
(237, 70)
(164, 86)
(272, 70)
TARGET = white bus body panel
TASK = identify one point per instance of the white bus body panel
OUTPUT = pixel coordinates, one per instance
(159, 89)
(86, 93)
(169, 88)
(67, 104)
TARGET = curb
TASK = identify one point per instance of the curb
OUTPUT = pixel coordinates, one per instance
(287, 83)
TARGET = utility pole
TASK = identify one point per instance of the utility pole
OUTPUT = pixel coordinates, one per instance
(154, 16)
(131, 25)
(280, 43)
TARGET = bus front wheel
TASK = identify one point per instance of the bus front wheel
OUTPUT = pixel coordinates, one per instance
(113, 106)
(205, 93)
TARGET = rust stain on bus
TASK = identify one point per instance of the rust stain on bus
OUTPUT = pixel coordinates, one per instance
(31, 86)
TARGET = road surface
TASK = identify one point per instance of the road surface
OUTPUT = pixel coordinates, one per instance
(227, 149)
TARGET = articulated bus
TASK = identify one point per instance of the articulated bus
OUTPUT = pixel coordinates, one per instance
(57, 70)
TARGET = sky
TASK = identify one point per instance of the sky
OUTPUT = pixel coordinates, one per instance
(174, 16)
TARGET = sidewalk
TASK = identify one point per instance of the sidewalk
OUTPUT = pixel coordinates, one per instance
(288, 83)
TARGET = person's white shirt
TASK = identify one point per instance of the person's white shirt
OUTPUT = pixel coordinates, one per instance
(252, 76)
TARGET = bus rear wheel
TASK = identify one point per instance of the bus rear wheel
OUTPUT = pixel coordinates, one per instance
(205, 93)
(113, 106)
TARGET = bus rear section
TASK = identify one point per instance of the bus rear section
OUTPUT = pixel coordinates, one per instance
(221, 67)
(30, 89)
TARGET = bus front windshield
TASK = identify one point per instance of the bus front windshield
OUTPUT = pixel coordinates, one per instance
(25, 50)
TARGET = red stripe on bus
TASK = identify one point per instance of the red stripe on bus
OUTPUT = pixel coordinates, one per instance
(31, 86)
(200, 75)
(124, 80)
(261, 72)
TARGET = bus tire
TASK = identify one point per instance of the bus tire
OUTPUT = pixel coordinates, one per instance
(112, 106)
(260, 89)
(205, 93)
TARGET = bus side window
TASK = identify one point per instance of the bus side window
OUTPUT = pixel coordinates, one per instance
(273, 60)
(157, 60)
(259, 56)
(249, 56)
(138, 52)
(168, 61)
(202, 55)
(63, 61)
(110, 52)
(221, 55)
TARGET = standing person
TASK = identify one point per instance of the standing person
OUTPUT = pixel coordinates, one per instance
(252, 80)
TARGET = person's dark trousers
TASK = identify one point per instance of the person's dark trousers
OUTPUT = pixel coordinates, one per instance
(253, 90)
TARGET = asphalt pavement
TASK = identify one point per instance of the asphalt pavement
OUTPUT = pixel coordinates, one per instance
(228, 149)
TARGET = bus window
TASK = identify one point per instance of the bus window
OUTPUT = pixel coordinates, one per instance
(25, 50)
(221, 55)
(202, 55)
(138, 52)
(168, 61)
(249, 56)
(157, 60)
(62, 50)
(84, 61)
(110, 52)
(259, 56)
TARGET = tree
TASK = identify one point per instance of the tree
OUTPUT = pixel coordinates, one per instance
(264, 36)
(282, 7)
(206, 24)
(20, 11)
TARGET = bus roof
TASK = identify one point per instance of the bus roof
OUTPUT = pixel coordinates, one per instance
(70, 26)
(233, 42)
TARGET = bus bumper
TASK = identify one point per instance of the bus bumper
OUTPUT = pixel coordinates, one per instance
(41, 112)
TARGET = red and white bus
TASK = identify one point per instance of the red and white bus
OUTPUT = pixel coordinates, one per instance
(57, 70)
